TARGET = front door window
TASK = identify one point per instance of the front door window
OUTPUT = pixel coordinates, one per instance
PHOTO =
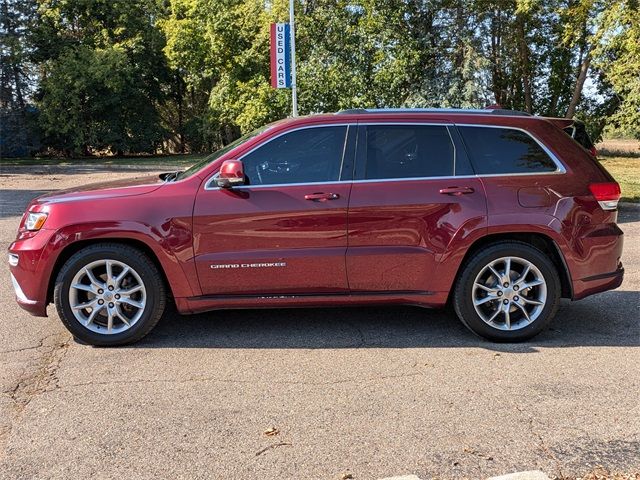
(302, 156)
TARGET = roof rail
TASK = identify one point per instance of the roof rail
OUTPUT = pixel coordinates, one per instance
(464, 111)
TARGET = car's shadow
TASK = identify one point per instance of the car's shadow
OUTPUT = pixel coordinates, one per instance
(609, 319)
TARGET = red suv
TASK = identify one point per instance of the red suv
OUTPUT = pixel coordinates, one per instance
(498, 212)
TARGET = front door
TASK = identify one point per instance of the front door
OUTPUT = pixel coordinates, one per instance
(285, 230)
(413, 192)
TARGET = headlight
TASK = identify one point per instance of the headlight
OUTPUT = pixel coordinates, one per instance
(35, 221)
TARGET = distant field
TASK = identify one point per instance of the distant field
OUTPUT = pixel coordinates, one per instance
(626, 171)
(621, 157)
(619, 147)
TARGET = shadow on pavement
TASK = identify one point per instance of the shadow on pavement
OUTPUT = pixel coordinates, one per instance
(14, 202)
(628, 214)
(609, 319)
(85, 168)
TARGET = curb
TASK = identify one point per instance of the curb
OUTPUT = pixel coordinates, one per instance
(402, 477)
(529, 475)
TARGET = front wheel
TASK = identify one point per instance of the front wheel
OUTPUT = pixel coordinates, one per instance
(508, 292)
(109, 294)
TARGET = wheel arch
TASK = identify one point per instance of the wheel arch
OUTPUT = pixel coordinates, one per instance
(72, 248)
(542, 242)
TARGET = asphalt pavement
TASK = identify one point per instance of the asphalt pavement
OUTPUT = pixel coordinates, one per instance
(366, 392)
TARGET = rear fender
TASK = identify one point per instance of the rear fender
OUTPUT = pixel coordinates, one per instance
(501, 226)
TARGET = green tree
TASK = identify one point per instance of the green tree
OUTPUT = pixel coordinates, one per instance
(617, 56)
(190, 75)
(18, 135)
(103, 73)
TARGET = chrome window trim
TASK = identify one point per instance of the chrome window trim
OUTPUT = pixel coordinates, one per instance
(209, 186)
(244, 187)
(455, 152)
(560, 168)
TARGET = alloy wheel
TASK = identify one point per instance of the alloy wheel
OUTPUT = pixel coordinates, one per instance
(107, 296)
(509, 293)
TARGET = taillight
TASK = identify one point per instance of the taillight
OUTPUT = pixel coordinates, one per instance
(607, 194)
(593, 151)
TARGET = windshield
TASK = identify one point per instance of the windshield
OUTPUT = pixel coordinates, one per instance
(217, 154)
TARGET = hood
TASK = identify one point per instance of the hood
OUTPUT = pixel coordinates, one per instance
(118, 188)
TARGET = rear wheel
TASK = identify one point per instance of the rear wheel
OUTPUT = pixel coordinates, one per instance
(508, 292)
(109, 294)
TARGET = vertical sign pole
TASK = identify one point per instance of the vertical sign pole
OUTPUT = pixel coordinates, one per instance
(292, 32)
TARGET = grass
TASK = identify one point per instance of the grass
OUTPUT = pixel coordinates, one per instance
(621, 157)
(626, 171)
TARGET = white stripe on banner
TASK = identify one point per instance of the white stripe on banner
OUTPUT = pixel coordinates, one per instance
(283, 76)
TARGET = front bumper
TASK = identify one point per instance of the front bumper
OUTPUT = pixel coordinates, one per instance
(38, 309)
(30, 264)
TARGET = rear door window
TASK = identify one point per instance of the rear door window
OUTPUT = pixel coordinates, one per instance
(408, 151)
(504, 151)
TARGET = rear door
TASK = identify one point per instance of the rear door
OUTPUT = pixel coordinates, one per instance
(413, 192)
(285, 231)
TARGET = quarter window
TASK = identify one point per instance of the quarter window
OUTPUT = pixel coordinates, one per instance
(408, 151)
(302, 156)
(504, 150)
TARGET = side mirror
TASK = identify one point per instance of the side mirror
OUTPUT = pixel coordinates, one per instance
(231, 173)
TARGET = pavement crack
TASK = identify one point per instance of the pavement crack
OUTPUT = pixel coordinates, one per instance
(542, 445)
(361, 338)
(41, 376)
(230, 381)
(41, 344)
(271, 447)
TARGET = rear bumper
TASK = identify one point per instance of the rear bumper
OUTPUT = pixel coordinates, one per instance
(595, 259)
(597, 283)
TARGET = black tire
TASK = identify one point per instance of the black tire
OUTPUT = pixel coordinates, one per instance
(463, 292)
(132, 257)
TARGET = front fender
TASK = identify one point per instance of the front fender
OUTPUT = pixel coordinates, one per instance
(171, 245)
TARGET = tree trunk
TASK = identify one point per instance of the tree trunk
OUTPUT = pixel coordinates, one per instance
(19, 97)
(577, 92)
(180, 101)
(523, 51)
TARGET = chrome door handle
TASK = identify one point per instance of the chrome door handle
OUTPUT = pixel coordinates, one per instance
(321, 197)
(456, 190)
